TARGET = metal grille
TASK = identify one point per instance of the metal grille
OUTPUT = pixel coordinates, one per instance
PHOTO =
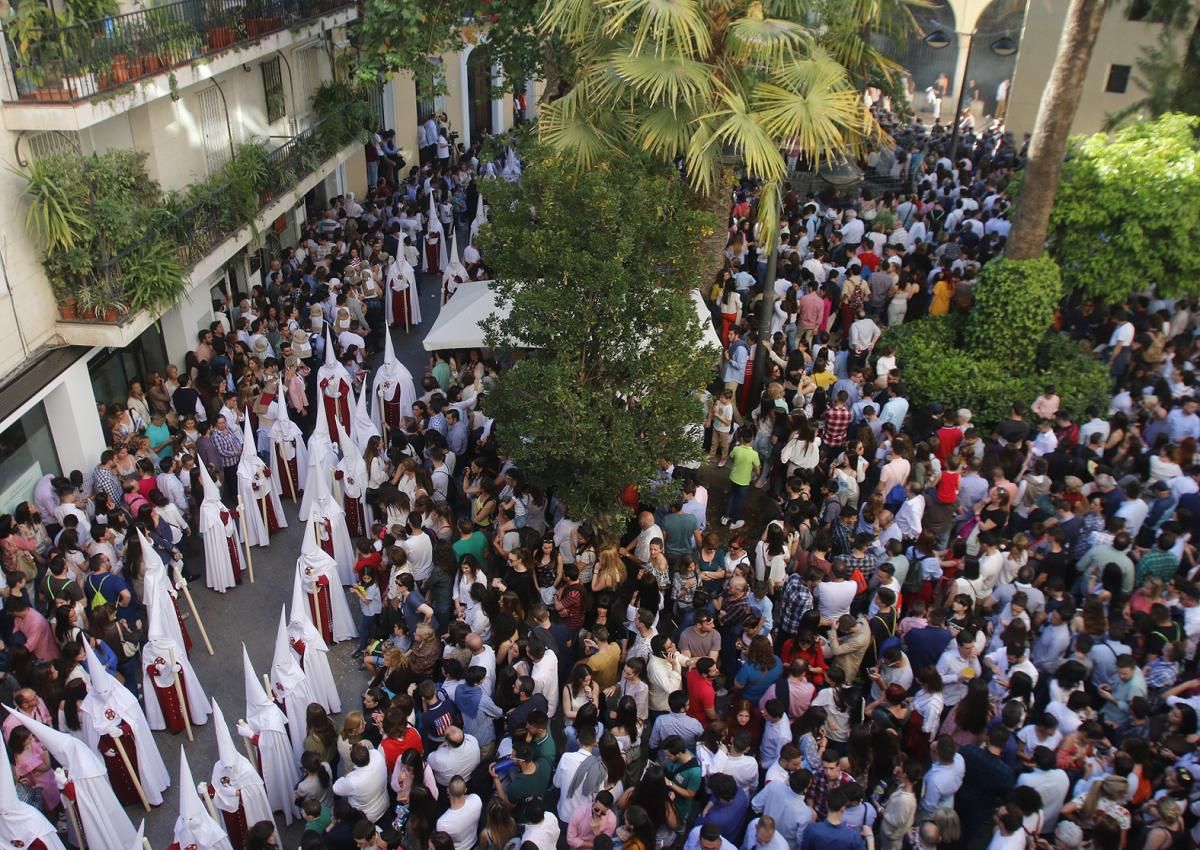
(375, 99)
(53, 142)
(308, 71)
(427, 104)
(213, 128)
(273, 90)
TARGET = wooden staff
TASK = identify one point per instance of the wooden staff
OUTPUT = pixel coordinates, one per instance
(249, 748)
(287, 468)
(316, 597)
(267, 685)
(187, 594)
(137, 782)
(74, 819)
(407, 305)
(183, 706)
(266, 517)
(202, 790)
(246, 540)
(146, 843)
(317, 533)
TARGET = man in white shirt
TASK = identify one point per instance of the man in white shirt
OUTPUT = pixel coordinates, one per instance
(540, 828)
(762, 835)
(461, 820)
(1051, 783)
(639, 547)
(458, 755)
(483, 656)
(564, 774)
(419, 549)
(738, 763)
(852, 230)
(835, 597)
(911, 514)
(365, 786)
(864, 333)
(957, 666)
(544, 674)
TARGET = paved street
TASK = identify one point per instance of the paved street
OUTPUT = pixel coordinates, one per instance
(250, 614)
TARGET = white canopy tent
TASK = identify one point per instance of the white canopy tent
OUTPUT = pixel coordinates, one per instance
(458, 324)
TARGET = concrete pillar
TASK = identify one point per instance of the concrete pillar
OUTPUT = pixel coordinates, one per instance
(464, 96)
(182, 322)
(71, 412)
(500, 118)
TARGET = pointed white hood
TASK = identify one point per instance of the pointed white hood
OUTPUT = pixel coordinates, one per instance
(230, 763)
(80, 760)
(455, 272)
(139, 840)
(261, 710)
(331, 361)
(211, 491)
(195, 825)
(250, 462)
(280, 428)
(102, 683)
(364, 427)
(285, 670)
(300, 621)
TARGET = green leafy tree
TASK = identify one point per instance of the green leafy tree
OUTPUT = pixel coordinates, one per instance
(404, 35)
(1125, 216)
(592, 276)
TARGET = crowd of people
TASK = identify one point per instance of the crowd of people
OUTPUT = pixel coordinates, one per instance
(947, 636)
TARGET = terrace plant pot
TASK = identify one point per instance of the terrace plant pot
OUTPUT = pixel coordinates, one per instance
(69, 309)
(220, 37)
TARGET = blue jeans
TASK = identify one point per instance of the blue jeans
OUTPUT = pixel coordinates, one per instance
(736, 501)
(366, 630)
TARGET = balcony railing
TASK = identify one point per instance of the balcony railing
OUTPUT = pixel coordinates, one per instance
(66, 64)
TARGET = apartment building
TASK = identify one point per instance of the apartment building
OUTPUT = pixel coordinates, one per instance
(187, 84)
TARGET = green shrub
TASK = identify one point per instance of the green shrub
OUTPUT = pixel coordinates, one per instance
(938, 368)
(1014, 305)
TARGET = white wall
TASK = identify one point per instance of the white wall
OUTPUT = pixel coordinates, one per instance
(71, 412)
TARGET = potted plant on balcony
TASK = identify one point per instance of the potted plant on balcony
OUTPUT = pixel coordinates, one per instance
(111, 60)
(154, 276)
(221, 31)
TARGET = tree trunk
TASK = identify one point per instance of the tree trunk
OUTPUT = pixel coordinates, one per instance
(1055, 115)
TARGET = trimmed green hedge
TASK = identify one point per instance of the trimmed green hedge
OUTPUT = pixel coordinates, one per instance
(937, 367)
(1014, 304)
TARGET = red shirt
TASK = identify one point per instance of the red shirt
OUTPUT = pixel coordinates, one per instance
(374, 561)
(701, 696)
(948, 438)
(393, 748)
(947, 488)
(869, 259)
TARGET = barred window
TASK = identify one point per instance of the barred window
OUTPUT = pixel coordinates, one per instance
(273, 90)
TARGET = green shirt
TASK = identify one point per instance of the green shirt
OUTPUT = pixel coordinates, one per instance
(680, 529)
(687, 776)
(160, 434)
(320, 823)
(743, 460)
(523, 786)
(441, 373)
(475, 545)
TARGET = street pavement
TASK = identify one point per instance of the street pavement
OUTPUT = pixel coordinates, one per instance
(249, 614)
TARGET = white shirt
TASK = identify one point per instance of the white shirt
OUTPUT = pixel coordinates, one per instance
(545, 680)
(419, 549)
(1000, 841)
(949, 666)
(835, 597)
(447, 761)
(909, 517)
(1052, 785)
(366, 787)
(743, 769)
(564, 774)
(461, 823)
(544, 834)
(750, 842)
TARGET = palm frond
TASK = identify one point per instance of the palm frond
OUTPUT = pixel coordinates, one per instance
(768, 213)
(810, 103)
(667, 24)
(762, 40)
(668, 80)
(741, 130)
(663, 130)
(703, 159)
(568, 17)
(569, 126)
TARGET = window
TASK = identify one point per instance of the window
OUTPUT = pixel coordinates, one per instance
(1118, 79)
(428, 104)
(273, 90)
(214, 129)
(27, 453)
(308, 78)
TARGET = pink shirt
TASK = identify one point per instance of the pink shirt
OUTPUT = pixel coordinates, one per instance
(810, 310)
(580, 826)
(39, 639)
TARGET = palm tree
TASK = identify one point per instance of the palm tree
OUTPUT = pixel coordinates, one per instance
(695, 80)
(1052, 128)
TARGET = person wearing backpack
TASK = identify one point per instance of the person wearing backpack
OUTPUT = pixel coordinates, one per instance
(884, 624)
(101, 587)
